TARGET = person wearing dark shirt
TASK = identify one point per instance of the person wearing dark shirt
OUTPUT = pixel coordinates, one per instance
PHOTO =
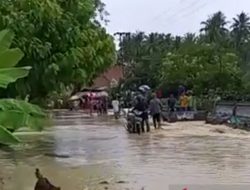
(171, 103)
(142, 106)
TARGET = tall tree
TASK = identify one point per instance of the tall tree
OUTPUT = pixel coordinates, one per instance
(240, 37)
(215, 27)
(240, 29)
(197, 66)
(143, 54)
(62, 41)
(189, 38)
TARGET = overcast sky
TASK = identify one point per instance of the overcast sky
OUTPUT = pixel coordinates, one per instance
(168, 16)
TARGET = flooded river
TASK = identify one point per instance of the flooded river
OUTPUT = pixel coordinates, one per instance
(81, 153)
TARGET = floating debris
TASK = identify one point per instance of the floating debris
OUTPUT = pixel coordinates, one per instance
(121, 182)
(56, 155)
(104, 183)
(221, 131)
(1, 181)
(43, 183)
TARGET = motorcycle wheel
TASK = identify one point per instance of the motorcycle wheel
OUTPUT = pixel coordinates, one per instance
(129, 127)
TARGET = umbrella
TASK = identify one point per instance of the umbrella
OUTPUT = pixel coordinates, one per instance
(102, 88)
(75, 97)
(144, 88)
(103, 94)
(78, 96)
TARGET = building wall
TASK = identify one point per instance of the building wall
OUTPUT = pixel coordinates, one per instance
(113, 73)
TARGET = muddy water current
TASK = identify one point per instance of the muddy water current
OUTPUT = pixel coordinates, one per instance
(81, 152)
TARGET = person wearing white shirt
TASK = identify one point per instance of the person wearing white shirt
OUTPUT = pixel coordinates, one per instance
(116, 107)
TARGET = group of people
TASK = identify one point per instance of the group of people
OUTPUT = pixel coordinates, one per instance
(153, 107)
(99, 104)
(185, 102)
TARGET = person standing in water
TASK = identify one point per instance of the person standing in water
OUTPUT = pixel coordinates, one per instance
(184, 102)
(90, 103)
(191, 101)
(171, 103)
(155, 107)
(142, 106)
(116, 107)
(181, 90)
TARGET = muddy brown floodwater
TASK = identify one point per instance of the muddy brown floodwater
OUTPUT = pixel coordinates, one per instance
(81, 153)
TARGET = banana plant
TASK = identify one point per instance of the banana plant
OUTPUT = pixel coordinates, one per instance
(15, 114)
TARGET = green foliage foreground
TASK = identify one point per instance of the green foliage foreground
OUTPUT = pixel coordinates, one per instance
(15, 114)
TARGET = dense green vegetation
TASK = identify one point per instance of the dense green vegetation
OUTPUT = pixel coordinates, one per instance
(216, 60)
(62, 41)
(58, 47)
(15, 114)
(67, 48)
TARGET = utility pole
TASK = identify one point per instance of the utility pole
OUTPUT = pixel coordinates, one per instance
(121, 34)
(121, 58)
(120, 38)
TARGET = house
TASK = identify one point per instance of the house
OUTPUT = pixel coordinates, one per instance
(109, 78)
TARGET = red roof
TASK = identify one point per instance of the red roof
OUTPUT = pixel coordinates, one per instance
(104, 80)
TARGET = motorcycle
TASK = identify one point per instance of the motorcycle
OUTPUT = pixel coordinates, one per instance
(134, 122)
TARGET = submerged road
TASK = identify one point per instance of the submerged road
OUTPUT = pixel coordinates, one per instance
(81, 152)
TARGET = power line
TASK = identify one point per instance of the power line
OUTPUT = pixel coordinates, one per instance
(192, 4)
(165, 11)
(186, 14)
(190, 13)
(187, 5)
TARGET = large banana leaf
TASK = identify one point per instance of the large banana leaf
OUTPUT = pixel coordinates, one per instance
(6, 137)
(15, 114)
(22, 106)
(37, 123)
(10, 57)
(10, 75)
(13, 120)
(6, 38)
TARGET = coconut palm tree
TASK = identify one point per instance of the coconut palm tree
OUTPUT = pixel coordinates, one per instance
(240, 29)
(215, 27)
(189, 38)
